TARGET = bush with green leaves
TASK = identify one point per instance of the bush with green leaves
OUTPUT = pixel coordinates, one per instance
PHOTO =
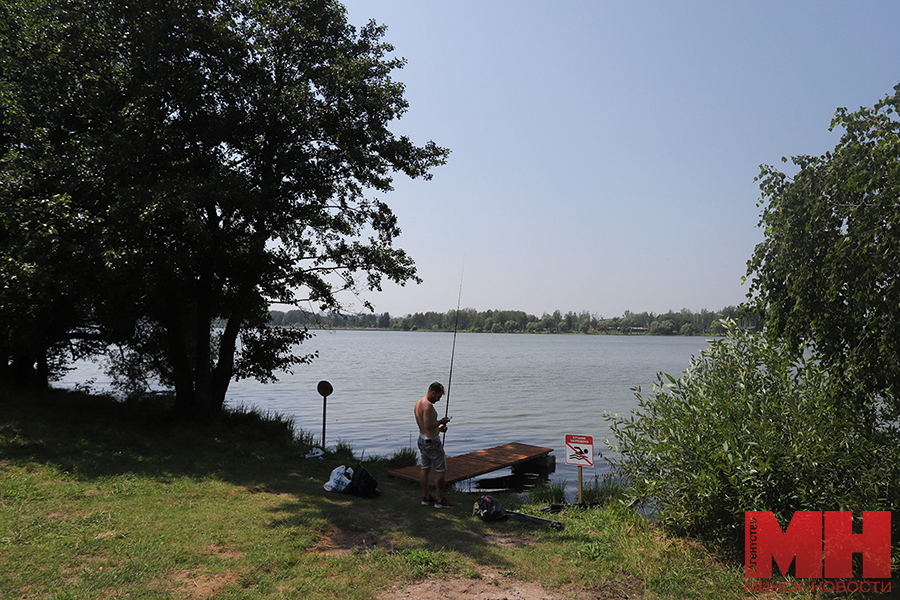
(748, 428)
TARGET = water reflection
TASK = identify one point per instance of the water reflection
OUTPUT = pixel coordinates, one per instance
(520, 478)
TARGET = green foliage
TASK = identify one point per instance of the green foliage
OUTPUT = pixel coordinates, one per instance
(426, 563)
(596, 491)
(269, 426)
(826, 273)
(747, 427)
(683, 322)
(548, 493)
(343, 451)
(402, 457)
(600, 490)
(169, 168)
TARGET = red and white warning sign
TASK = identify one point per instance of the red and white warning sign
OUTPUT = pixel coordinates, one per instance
(580, 450)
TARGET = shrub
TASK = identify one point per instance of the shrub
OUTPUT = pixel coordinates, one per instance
(343, 450)
(603, 489)
(402, 457)
(272, 427)
(550, 493)
(746, 428)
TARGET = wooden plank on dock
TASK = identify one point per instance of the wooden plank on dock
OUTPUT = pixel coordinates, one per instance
(466, 466)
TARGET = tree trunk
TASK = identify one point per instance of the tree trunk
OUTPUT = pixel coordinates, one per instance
(202, 356)
(28, 370)
(179, 356)
(200, 388)
(221, 376)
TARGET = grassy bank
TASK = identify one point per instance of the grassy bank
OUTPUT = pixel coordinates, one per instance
(112, 500)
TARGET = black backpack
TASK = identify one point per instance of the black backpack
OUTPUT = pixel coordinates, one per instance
(362, 484)
(488, 508)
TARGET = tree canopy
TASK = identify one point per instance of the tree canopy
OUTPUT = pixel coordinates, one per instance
(683, 322)
(826, 275)
(167, 165)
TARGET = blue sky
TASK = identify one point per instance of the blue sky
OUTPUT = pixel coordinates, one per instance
(604, 153)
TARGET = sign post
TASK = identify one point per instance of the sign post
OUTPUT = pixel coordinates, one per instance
(325, 389)
(580, 452)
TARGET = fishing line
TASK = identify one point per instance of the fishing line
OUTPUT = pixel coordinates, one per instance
(453, 353)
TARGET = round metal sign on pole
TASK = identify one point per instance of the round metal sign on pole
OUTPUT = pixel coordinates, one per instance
(325, 389)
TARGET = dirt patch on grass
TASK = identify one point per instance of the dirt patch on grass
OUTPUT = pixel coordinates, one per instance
(339, 542)
(493, 586)
(199, 585)
(510, 539)
(106, 534)
(471, 589)
(387, 520)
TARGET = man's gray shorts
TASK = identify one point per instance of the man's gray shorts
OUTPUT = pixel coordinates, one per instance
(431, 454)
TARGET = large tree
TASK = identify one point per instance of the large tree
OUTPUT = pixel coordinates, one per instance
(51, 86)
(827, 275)
(222, 155)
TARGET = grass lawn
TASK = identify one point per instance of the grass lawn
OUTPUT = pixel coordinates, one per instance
(100, 499)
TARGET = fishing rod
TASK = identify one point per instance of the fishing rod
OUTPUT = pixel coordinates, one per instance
(453, 353)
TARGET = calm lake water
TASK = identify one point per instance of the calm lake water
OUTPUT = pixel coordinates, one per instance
(533, 389)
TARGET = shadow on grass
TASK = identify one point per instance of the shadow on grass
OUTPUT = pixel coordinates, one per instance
(90, 438)
(394, 522)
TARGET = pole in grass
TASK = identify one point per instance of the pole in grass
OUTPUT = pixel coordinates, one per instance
(580, 501)
(324, 388)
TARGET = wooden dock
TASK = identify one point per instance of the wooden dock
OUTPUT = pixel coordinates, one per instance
(466, 466)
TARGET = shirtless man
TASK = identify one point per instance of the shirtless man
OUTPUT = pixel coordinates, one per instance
(431, 450)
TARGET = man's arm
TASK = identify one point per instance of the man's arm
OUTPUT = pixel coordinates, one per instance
(429, 420)
(433, 416)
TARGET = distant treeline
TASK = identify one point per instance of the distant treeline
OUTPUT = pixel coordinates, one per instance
(683, 322)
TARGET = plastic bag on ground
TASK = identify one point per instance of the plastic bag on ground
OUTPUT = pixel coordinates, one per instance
(339, 480)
